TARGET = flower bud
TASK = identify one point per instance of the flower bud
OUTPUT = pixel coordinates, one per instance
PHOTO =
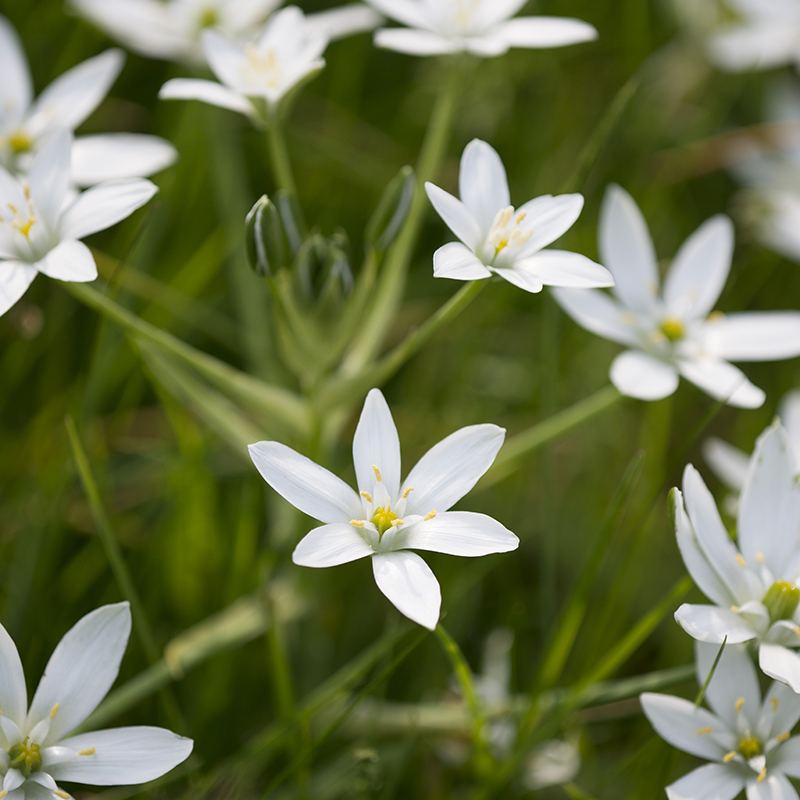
(323, 272)
(264, 235)
(391, 211)
(781, 600)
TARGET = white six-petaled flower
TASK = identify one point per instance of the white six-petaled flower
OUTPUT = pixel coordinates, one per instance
(481, 27)
(752, 583)
(385, 520)
(36, 749)
(748, 741)
(497, 238)
(25, 123)
(40, 227)
(673, 333)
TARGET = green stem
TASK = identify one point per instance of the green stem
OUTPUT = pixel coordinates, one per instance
(279, 158)
(281, 672)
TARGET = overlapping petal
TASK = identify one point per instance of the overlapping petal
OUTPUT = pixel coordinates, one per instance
(69, 261)
(570, 270)
(16, 87)
(13, 694)
(408, 583)
(714, 625)
(206, 92)
(780, 663)
(722, 381)
(597, 312)
(457, 533)
(754, 336)
(538, 32)
(456, 216)
(376, 444)
(728, 462)
(709, 782)
(15, 278)
(482, 183)
(49, 176)
(520, 277)
(734, 680)
(639, 375)
(456, 261)
(414, 42)
(116, 156)
(330, 546)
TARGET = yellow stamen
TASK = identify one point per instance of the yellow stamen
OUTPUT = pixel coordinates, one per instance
(55, 710)
(762, 774)
(729, 757)
(367, 496)
(89, 752)
(783, 737)
(521, 216)
(429, 515)
(797, 631)
(407, 492)
(377, 473)
(61, 794)
(760, 558)
(715, 316)
(775, 703)
(3, 793)
(396, 523)
(357, 523)
(27, 190)
(701, 731)
(740, 560)
(739, 703)
(735, 609)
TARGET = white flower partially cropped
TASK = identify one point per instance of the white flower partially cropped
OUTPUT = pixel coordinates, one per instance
(40, 226)
(385, 520)
(748, 741)
(753, 583)
(25, 123)
(171, 29)
(255, 76)
(481, 27)
(497, 238)
(673, 333)
(37, 752)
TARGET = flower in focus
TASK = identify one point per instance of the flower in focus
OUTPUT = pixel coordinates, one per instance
(481, 27)
(40, 226)
(753, 583)
(387, 519)
(172, 29)
(26, 123)
(748, 741)
(672, 333)
(36, 750)
(258, 73)
(497, 238)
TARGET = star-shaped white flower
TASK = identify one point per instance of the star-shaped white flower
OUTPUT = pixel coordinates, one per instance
(387, 519)
(40, 225)
(497, 238)
(171, 29)
(25, 123)
(672, 333)
(753, 583)
(258, 73)
(481, 27)
(37, 752)
(748, 741)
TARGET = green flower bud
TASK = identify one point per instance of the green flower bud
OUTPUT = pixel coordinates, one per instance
(781, 600)
(264, 233)
(391, 211)
(25, 757)
(323, 271)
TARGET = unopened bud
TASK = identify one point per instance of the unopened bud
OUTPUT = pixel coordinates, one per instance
(264, 234)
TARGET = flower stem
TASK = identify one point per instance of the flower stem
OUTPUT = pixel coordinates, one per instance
(279, 157)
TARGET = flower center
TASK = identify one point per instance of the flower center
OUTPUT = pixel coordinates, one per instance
(20, 222)
(750, 747)
(673, 329)
(20, 142)
(383, 518)
(209, 18)
(781, 600)
(261, 67)
(25, 757)
(507, 231)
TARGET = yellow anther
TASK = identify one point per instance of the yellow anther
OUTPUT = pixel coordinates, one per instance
(377, 473)
(796, 630)
(521, 216)
(429, 515)
(760, 558)
(715, 316)
(762, 774)
(735, 609)
(89, 752)
(729, 757)
(701, 731)
(13, 208)
(783, 737)
(3, 793)
(63, 795)
(357, 523)
(739, 703)
(54, 710)
(27, 190)
(775, 703)
(407, 492)
(740, 560)
(367, 496)
(396, 523)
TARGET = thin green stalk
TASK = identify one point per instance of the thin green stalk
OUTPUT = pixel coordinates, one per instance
(281, 672)
(279, 158)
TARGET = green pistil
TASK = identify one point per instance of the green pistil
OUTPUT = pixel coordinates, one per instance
(209, 18)
(383, 519)
(781, 600)
(25, 757)
(750, 747)
(673, 329)
(20, 142)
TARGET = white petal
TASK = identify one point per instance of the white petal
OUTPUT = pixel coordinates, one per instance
(678, 721)
(713, 624)
(789, 412)
(15, 278)
(644, 377)
(780, 663)
(728, 462)
(69, 261)
(780, 716)
(734, 679)
(408, 583)
(548, 218)
(409, 12)
(722, 381)
(456, 216)
(626, 249)
(13, 780)
(490, 14)
(16, 88)
(114, 156)
(414, 42)
(13, 694)
(759, 46)
(787, 756)
(452, 467)
(775, 787)
(343, 21)
(457, 533)
(376, 444)
(562, 268)
(709, 782)
(82, 669)
(225, 58)
(48, 178)
(306, 485)
(754, 336)
(457, 262)
(105, 205)
(700, 269)
(72, 96)
(206, 92)
(330, 546)
(483, 184)
(123, 756)
(488, 45)
(597, 312)
(523, 278)
(546, 32)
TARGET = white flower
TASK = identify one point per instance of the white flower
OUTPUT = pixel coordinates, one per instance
(752, 585)
(672, 333)
(766, 36)
(40, 226)
(747, 741)
(505, 241)
(26, 123)
(171, 29)
(36, 750)
(258, 73)
(481, 27)
(387, 519)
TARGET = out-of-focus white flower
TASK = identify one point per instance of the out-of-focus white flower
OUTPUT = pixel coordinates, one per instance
(255, 76)
(40, 226)
(753, 585)
(552, 763)
(386, 520)
(497, 238)
(767, 35)
(171, 29)
(673, 333)
(481, 27)
(747, 741)
(36, 750)
(26, 123)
